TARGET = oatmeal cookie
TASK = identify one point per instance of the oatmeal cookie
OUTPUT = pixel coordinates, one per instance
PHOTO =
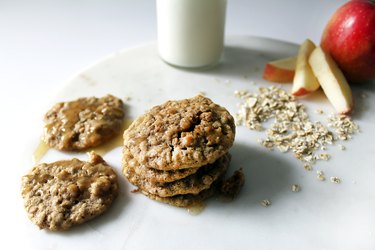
(185, 200)
(153, 175)
(192, 184)
(65, 193)
(83, 123)
(181, 134)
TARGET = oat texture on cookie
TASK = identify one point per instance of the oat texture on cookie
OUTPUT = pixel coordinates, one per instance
(177, 152)
(65, 193)
(83, 123)
(181, 134)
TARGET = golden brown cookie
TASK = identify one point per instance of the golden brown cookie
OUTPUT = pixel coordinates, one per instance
(181, 134)
(192, 184)
(153, 175)
(185, 200)
(83, 123)
(65, 193)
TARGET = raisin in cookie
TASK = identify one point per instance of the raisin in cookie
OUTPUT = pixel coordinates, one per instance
(65, 193)
(181, 134)
(83, 123)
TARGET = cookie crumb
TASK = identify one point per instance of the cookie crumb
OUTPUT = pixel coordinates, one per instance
(135, 190)
(335, 180)
(232, 186)
(296, 188)
(266, 203)
(342, 147)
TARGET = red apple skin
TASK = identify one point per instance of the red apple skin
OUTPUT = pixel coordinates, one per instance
(274, 74)
(301, 92)
(349, 38)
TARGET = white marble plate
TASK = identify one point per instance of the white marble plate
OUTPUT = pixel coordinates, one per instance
(322, 216)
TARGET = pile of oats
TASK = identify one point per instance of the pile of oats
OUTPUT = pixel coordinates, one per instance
(344, 127)
(291, 130)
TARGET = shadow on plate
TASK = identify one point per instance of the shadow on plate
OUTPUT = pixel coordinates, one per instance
(361, 95)
(240, 61)
(267, 176)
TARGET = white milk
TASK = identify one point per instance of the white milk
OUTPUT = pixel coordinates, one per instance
(191, 32)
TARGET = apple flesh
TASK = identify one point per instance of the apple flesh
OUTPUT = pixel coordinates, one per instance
(304, 81)
(332, 81)
(349, 38)
(281, 71)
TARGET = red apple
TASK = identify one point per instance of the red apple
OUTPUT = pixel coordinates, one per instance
(349, 38)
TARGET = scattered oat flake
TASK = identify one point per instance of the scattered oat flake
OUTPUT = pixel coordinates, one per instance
(296, 188)
(308, 167)
(319, 111)
(335, 180)
(320, 176)
(324, 157)
(342, 147)
(265, 203)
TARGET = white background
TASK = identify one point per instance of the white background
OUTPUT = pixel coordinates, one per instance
(44, 43)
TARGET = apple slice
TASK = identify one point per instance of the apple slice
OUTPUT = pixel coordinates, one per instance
(304, 81)
(332, 81)
(280, 71)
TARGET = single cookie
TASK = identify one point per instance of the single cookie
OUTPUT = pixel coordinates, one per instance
(65, 193)
(83, 123)
(181, 134)
(186, 200)
(192, 184)
(154, 175)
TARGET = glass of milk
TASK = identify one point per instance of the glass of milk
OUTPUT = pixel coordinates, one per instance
(191, 32)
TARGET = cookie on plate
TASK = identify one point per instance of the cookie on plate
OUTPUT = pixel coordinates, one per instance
(65, 193)
(177, 152)
(153, 175)
(83, 123)
(192, 184)
(185, 200)
(181, 134)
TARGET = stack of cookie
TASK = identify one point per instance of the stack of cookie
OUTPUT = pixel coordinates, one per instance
(178, 151)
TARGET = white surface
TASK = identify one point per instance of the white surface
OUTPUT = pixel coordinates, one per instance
(191, 33)
(43, 43)
(322, 216)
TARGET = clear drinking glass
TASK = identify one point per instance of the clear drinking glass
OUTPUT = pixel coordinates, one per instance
(191, 32)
